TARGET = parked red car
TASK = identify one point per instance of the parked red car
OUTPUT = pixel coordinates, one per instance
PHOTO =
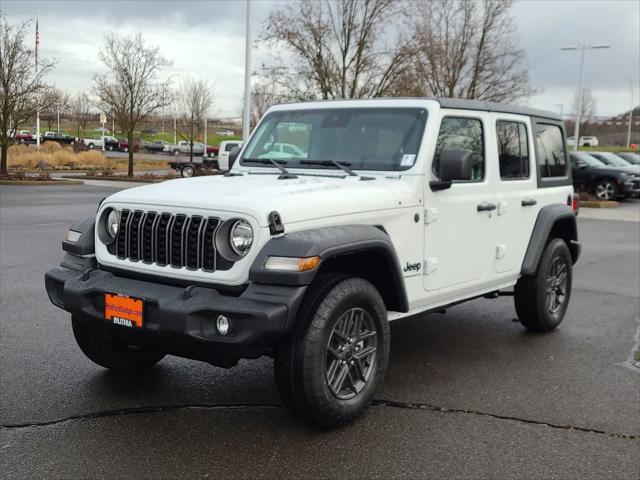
(212, 151)
(24, 136)
(123, 145)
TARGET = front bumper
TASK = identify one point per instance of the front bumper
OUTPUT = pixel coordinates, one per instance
(181, 321)
(631, 188)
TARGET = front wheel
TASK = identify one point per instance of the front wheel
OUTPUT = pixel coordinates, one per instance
(331, 367)
(176, 152)
(109, 353)
(606, 190)
(542, 299)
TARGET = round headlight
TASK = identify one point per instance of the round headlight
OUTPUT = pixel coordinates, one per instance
(112, 223)
(241, 237)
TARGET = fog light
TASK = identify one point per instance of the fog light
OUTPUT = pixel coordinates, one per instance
(222, 324)
(72, 236)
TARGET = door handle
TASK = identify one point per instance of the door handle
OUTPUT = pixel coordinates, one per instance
(529, 202)
(486, 207)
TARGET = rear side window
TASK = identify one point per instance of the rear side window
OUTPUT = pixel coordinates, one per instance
(459, 132)
(513, 149)
(550, 151)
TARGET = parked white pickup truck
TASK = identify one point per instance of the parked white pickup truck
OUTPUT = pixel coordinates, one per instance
(184, 148)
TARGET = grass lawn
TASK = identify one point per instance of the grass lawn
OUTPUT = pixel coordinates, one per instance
(605, 149)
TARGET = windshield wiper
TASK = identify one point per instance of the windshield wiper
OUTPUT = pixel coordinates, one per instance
(284, 173)
(327, 163)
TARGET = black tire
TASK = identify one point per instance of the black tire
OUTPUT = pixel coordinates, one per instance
(606, 189)
(91, 146)
(112, 355)
(303, 364)
(542, 299)
(176, 152)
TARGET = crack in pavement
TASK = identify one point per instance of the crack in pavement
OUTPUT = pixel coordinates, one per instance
(243, 406)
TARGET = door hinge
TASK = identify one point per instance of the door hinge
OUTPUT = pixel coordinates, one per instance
(430, 265)
(501, 251)
(502, 208)
(430, 215)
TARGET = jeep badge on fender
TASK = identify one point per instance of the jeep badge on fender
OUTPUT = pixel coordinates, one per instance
(312, 243)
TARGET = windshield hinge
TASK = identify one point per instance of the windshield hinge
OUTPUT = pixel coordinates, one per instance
(275, 223)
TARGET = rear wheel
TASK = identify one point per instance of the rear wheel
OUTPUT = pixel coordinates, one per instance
(330, 368)
(187, 171)
(111, 354)
(606, 190)
(91, 145)
(542, 299)
(176, 152)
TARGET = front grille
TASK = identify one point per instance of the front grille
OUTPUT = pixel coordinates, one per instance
(166, 239)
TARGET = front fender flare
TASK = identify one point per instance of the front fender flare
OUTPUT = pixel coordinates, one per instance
(327, 243)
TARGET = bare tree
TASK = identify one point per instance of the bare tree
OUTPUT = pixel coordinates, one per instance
(194, 99)
(469, 49)
(130, 88)
(21, 87)
(58, 102)
(339, 48)
(81, 110)
(264, 95)
(588, 108)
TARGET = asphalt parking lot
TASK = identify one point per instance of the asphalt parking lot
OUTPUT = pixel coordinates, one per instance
(468, 394)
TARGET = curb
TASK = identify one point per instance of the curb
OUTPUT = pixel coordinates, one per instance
(598, 204)
(41, 182)
(116, 179)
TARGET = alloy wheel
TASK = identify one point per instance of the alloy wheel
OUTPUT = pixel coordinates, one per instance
(605, 191)
(556, 285)
(351, 353)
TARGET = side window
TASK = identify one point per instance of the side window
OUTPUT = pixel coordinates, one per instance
(458, 132)
(550, 151)
(513, 149)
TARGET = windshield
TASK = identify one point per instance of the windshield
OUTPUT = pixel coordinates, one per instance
(361, 138)
(588, 159)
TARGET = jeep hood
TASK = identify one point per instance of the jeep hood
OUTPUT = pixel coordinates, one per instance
(257, 194)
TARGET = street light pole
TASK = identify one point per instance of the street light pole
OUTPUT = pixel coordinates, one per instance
(583, 49)
(247, 77)
(630, 114)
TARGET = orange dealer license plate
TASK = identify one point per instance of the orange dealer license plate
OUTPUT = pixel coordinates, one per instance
(123, 310)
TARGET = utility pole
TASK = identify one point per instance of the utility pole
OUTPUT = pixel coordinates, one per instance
(630, 114)
(582, 49)
(174, 130)
(58, 114)
(204, 154)
(247, 77)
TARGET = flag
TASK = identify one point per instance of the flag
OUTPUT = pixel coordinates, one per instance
(37, 42)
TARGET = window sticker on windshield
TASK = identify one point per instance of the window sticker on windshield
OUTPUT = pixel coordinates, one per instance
(408, 160)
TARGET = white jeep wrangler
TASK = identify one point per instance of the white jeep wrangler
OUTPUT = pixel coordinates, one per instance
(390, 208)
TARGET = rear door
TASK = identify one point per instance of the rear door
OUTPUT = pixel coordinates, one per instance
(516, 191)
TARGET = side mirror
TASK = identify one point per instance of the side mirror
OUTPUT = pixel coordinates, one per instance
(455, 164)
(233, 154)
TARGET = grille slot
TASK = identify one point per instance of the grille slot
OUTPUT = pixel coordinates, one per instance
(167, 239)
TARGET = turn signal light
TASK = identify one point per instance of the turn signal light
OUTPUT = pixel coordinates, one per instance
(292, 264)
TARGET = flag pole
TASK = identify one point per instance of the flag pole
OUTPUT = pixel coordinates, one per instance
(38, 98)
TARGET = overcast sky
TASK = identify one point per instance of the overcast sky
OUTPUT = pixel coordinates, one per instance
(206, 39)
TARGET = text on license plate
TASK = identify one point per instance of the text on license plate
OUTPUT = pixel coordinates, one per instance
(123, 310)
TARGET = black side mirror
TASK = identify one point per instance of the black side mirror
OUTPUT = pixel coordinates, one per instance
(455, 164)
(233, 154)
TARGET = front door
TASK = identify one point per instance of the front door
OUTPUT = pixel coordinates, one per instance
(459, 221)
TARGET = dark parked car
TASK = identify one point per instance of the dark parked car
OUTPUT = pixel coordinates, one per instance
(59, 137)
(632, 158)
(603, 181)
(613, 160)
(155, 147)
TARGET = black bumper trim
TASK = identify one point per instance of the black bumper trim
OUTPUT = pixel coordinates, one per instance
(178, 323)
